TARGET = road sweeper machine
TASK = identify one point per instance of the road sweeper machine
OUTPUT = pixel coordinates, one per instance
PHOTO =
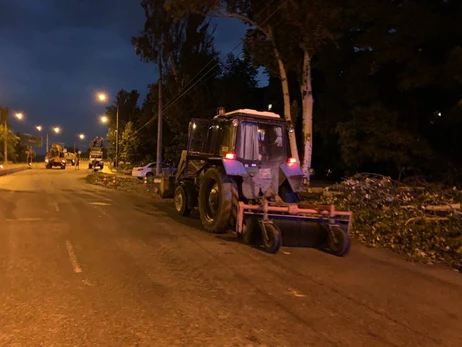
(237, 170)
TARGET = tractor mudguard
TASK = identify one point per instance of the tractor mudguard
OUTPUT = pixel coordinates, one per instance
(234, 167)
(294, 175)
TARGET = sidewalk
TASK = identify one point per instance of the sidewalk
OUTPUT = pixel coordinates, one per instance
(12, 168)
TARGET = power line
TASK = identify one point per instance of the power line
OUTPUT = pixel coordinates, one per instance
(182, 93)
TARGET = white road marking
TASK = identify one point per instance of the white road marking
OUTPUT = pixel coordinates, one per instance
(88, 283)
(70, 251)
(23, 219)
(285, 252)
(56, 207)
(298, 295)
(100, 203)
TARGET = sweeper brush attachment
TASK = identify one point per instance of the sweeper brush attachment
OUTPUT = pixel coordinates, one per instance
(265, 221)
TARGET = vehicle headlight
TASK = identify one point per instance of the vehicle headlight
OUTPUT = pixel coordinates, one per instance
(63, 161)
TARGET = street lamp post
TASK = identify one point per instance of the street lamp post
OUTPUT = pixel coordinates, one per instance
(102, 97)
(81, 137)
(117, 136)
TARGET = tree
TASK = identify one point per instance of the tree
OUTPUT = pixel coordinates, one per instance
(393, 70)
(236, 83)
(256, 13)
(129, 144)
(284, 37)
(128, 112)
(12, 142)
(180, 47)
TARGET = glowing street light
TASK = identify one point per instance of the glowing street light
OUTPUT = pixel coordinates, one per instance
(104, 119)
(82, 136)
(57, 130)
(39, 127)
(19, 116)
(102, 97)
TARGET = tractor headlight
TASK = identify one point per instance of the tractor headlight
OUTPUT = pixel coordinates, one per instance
(235, 123)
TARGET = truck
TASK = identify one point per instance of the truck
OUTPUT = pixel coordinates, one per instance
(70, 158)
(55, 157)
(238, 171)
(96, 158)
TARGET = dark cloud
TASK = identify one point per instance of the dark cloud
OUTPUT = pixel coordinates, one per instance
(55, 55)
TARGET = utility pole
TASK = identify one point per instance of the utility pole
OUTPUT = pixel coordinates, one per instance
(159, 122)
(47, 143)
(4, 117)
(117, 136)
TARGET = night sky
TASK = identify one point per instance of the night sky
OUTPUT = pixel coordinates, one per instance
(56, 55)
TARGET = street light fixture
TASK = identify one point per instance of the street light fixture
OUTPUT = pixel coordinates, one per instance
(104, 119)
(57, 130)
(82, 136)
(19, 116)
(102, 97)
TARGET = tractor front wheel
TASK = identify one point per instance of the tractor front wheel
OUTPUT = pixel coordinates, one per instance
(218, 200)
(181, 201)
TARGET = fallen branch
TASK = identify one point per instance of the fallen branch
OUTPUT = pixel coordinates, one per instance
(443, 208)
(435, 219)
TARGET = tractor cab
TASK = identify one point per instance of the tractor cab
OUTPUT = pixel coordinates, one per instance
(256, 139)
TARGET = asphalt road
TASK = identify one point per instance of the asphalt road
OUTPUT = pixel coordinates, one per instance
(86, 266)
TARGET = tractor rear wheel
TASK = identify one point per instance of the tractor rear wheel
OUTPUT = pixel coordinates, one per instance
(218, 201)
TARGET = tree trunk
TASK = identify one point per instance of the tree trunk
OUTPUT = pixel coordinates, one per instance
(159, 121)
(307, 107)
(286, 96)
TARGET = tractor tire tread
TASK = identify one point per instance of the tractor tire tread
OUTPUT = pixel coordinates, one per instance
(229, 189)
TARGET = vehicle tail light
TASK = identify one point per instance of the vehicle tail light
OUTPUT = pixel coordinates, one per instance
(230, 156)
(291, 161)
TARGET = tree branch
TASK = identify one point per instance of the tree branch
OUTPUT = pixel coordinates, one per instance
(233, 15)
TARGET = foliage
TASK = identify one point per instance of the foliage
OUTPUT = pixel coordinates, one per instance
(391, 69)
(129, 144)
(399, 216)
(374, 135)
(12, 143)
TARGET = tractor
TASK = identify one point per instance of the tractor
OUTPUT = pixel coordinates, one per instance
(238, 171)
(55, 157)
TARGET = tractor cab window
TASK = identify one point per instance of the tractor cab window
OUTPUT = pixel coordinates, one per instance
(261, 142)
(198, 131)
(211, 138)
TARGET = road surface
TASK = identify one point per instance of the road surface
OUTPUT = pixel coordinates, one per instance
(86, 266)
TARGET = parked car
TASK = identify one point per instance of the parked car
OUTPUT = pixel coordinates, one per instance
(149, 170)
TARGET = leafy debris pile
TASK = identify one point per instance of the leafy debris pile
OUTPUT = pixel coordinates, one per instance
(122, 183)
(421, 220)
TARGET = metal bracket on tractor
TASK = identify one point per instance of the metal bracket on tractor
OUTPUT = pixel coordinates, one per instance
(336, 223)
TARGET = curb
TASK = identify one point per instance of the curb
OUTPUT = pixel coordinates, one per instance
(4, 172)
